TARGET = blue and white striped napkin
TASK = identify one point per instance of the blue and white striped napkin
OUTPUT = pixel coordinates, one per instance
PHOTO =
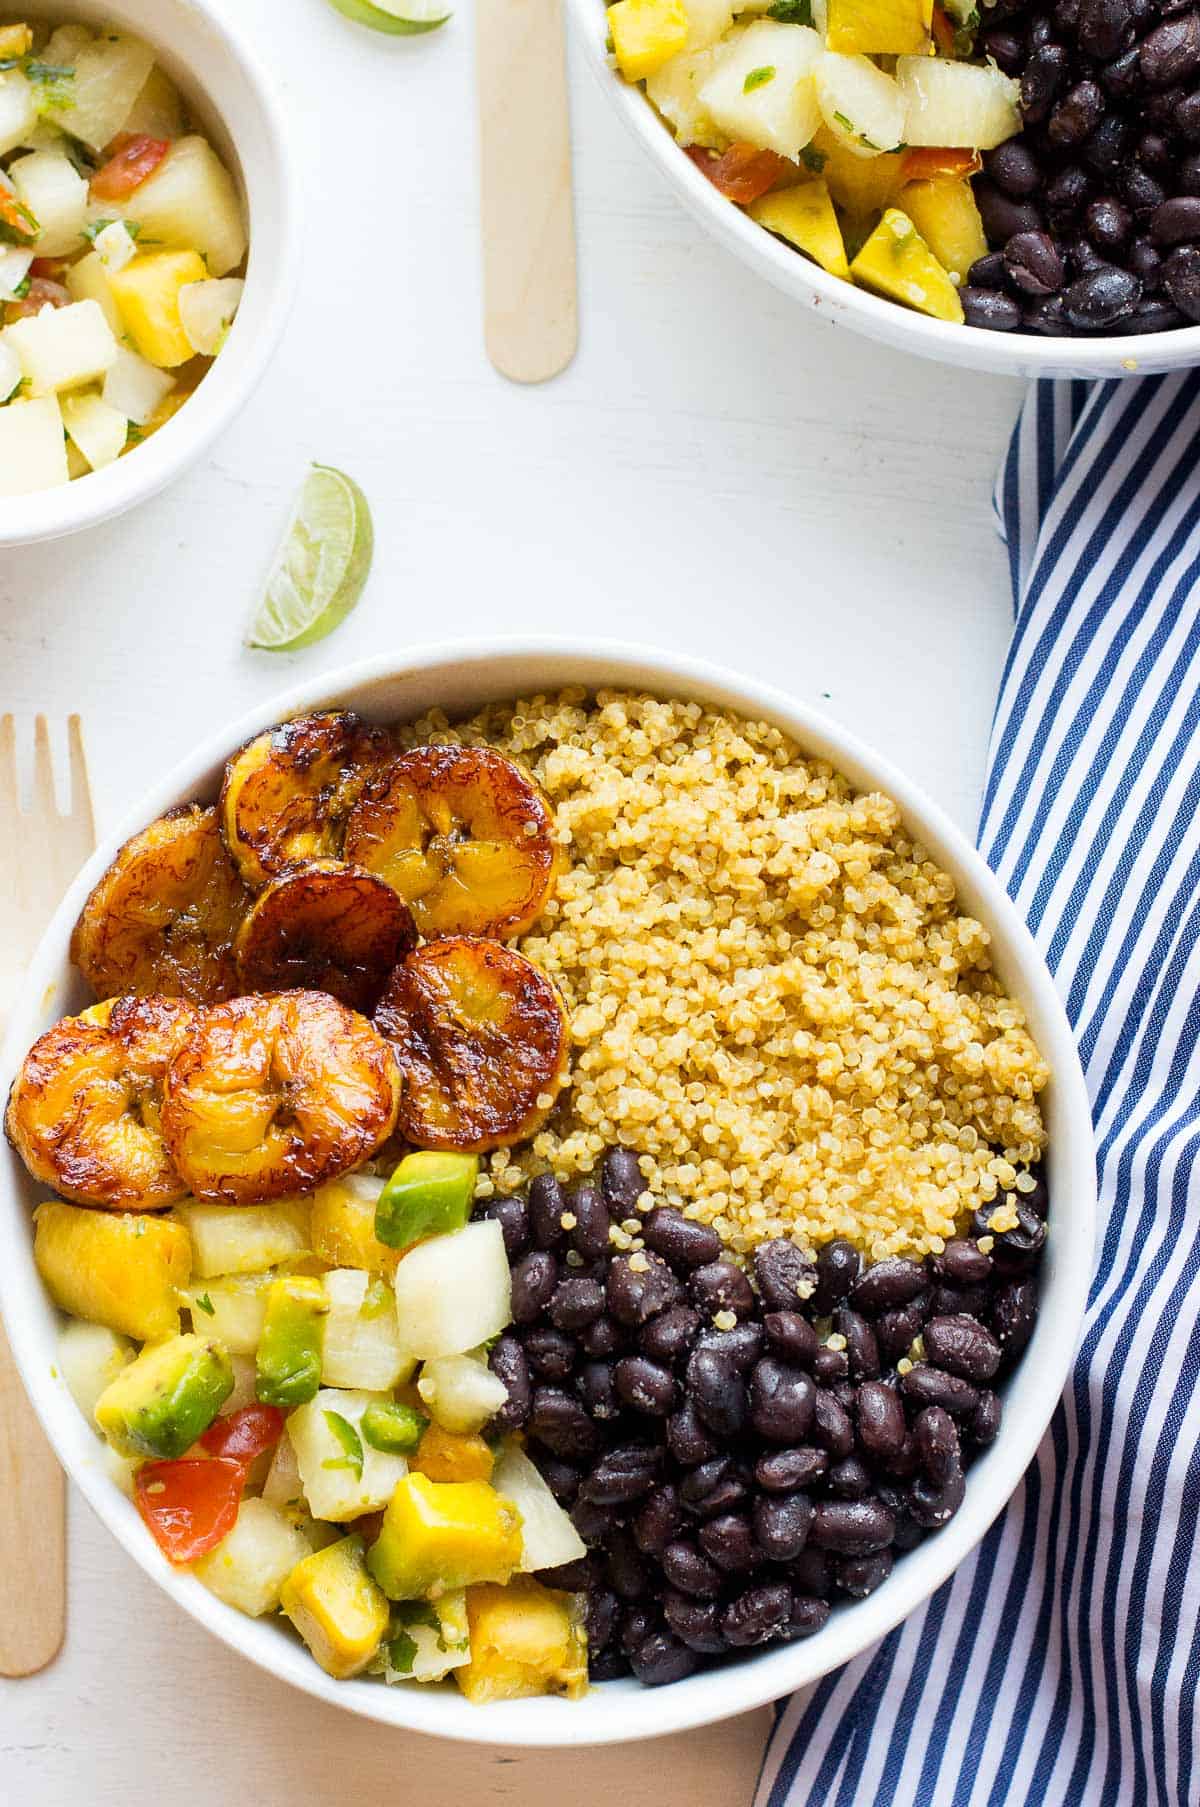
(1061, 1663)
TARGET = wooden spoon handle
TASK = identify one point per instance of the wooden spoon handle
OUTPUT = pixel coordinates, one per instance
(531, 325)
(33, 1542)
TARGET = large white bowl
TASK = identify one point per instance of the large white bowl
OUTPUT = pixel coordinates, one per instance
(1004, 354)
(231, 98)
(458, 678)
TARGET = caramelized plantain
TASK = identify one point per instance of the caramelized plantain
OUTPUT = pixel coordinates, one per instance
(480, 1036)
(463, 834)
(274, 1095)
(288, 792)
(164, 917)
(325, 926)
(85, 1110)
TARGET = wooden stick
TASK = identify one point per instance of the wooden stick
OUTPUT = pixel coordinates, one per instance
(33, 1542)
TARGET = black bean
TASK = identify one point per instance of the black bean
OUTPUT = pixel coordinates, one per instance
(808, 1615)
(983, 1425)
(784, 1275)
(598, 1391)
(1045, 316)
(637, 1293)
(862, 1350)
(849, 1479)
(551, 1353)
(595, 1524)
(718, 1392)
(688, 1438)
(637, 1624)
(601, 1617)
(1068, 189)
(812, 1572)
(507, 1361)
(679, 1239)
(785, 1469)
(574, 1303)
(561, 1478)
(987, 272)
(601, 1339)
(1014, 1316)
(829, 1366)
(621, 1180)
(741, 1346)
(1122, 76)
(926, 1385)
(696, 1623)
(838, 1267)
(881, 1425)
(1153, 150)
(781, 1523)
(1005, 49)
(1041, 79)
(782, 1400)
(667, 1338)
(727, 1496)
(1014, 168)
(1034, 263)
(859, 1576)
(533, 1280)
(832, 1427)
(1171, 52)
(1181, 279)
(1187, 175)
(963, 1346)
(908, 1532)
(607, 1665)
(1187, 117)
(703, 1479)
(626, 1567)
(758, 1615)
(1104, 26)
(729, 1542)
(663, 1659)
(658, 1521)
(1017, 1249)
(688, 1569)
(576, 1577)
(1141, 190)
(954, 1301)
(547, 1202)
(937, 1444)
(721, 1286)
(852, 1527)
(513, 1217)
(989, 309)
(1077, 114)
(934, 1506)
(792, 1337)
(1097, 300)
(561, 1424)
(645, 1386)
(1107, 145)
(589, 1237)
(1176, 222)
(888, 1285)
(896, 1331)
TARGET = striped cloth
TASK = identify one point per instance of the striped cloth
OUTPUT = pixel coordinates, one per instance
(1060, 1664)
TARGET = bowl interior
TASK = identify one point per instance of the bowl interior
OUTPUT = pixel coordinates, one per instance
(231, 100)
(458, 679)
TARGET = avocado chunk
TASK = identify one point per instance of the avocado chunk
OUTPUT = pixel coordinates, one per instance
(162, 1402)
(288, 1364)
(440, 1534)
(429, 1194)
(396, 1429)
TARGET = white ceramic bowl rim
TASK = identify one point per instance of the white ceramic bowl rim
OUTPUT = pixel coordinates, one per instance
(1009, 354)
(398, 686)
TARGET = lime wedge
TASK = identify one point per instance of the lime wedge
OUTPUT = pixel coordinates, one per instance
(403, 18)
(321, 566)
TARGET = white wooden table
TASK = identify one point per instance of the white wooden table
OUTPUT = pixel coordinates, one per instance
(717, 471)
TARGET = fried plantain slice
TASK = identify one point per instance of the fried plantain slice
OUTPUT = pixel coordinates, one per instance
(481, 1040)
(164, 917)
(85, 1110)
(287, 793)
(463, 834)
(274, 1095)
(325, 926)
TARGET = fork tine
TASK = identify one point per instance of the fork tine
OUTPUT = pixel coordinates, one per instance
(44, 800)
(80, 803)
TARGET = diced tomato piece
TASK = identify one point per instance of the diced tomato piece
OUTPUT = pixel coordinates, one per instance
(927, 164)
(367, 1526)
(190, 1505)
(50, 267)
(132, 156)
(743, 172)
(244, 1434)
(943, 31)
(42, 293)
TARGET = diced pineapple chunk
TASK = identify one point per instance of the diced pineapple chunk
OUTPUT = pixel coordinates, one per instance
(896, 261)
(453, 1292)
(245, 1374)
(232, 1308)
(207, 310)
(461, 1392)
(343, 1225)
(146, 292)
(860, 184)
(248, 1568)
(427, 1639)
(115, 245)
(18, 113)
(439, 1534)
(879, 27)
(15, 40)
(675, 91)
(87, 280)
(548, 1538)
(762, 89)
(113, 1268)
(63, 347)
(56, 195)
(283, 1487)
(645, 33)
(945, 214)
(158, 111)
(342, 1475)
(362, 1340)
(860, 104)
(190, 202)
(109, 72)
(336, 1607)
(137, 390)
(525, 1640)
(15, 261)
(805, 217)
(90, 1356)
(970, 106)
(99, 431)
(244, 1239)
(446, 1456)
(33, 451)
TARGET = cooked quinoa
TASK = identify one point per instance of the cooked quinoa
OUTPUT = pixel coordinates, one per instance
(773, 997)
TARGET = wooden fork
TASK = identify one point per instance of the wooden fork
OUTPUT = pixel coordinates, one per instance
(44, 849)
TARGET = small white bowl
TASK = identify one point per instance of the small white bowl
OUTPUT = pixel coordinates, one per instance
(1003, 354)
(458, 678)
(233, 102)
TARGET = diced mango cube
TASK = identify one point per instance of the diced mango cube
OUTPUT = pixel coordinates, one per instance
(343, 1227)
(439, 1534)
(896, 262)
(113, 1267)
(146, 291)
(805, 217)
(861, 185)
(525, 1639)
(879, 27)
(446, 1456)
(336, 1607)
(945, 214)
(645, 33)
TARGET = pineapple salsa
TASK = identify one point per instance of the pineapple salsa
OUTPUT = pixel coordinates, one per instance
(849, 128)
(122, 239)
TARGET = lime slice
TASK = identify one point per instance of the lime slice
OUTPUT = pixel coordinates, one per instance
(402, 18)
(321, 566)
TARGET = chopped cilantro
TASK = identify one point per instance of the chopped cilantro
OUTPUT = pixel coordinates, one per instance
(402, 1653)
(791, 12)
(205, 1304)
(54, 82)
(22, 288)
(134, 434)
(350, 1441)
(758, 78)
